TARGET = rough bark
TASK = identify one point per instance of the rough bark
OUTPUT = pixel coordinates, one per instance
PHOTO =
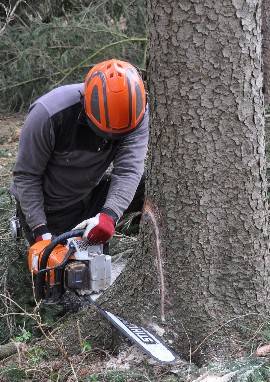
(202, 269)
(266, 49)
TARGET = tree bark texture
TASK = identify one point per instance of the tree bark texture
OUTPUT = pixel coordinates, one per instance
(203, 266)
(207, 163)
(266, 49)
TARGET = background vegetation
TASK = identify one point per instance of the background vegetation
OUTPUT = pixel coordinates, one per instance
(43, 46)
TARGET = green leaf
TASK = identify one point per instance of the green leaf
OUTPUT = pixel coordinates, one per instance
(25, 336)
(86, 346)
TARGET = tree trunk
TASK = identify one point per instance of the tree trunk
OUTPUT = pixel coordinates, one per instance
(202, 269)
(266, 49)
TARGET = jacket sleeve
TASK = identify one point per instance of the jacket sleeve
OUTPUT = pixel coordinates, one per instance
(35, 148)
(128, 168)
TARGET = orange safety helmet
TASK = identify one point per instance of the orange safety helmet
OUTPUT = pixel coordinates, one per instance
(114, 98)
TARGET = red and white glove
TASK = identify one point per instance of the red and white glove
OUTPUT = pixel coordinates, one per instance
(99, 229)
(41, 232)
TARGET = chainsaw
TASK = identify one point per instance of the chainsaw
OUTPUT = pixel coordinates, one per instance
(78, 266)
(75, 265)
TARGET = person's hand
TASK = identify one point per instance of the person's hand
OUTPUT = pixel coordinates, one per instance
(41, 232)
(99, 229)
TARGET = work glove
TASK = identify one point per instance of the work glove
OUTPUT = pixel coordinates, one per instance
(99, 229)
(41, 233)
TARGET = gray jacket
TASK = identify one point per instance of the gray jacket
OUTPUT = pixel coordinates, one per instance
(60, 160)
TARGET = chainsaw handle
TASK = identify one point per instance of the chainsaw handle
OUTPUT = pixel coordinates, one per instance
(58, 240)
(41, 276)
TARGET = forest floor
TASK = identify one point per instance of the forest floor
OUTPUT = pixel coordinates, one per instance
(30, 349)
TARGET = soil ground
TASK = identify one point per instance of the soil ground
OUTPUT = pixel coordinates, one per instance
(9, 135)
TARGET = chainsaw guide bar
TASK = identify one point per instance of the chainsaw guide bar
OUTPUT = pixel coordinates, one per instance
(141, 337)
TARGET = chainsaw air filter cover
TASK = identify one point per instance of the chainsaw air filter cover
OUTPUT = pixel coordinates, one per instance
(77, 275)
(89, 270)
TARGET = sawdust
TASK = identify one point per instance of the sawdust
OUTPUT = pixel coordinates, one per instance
(126, 359)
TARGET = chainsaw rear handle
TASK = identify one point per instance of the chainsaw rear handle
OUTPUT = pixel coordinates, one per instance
(41, 275)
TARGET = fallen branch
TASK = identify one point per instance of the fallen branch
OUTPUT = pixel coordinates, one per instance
(10, 348)
(10, 14)
(24, 82)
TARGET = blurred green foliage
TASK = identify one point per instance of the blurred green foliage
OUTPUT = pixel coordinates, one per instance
(12, 373)
(24, 336)
(46, 46)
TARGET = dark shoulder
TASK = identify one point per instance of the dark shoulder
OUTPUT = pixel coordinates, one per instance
(73, 133)
(60, 98)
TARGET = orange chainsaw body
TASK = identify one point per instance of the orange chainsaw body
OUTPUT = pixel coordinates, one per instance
(35, 253)
(76, 266)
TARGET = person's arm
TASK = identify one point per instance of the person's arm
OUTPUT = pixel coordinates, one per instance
(35, 147)
(128, 169)
(125, 178)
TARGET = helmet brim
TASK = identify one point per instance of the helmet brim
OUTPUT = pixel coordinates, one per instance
(108, 135)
